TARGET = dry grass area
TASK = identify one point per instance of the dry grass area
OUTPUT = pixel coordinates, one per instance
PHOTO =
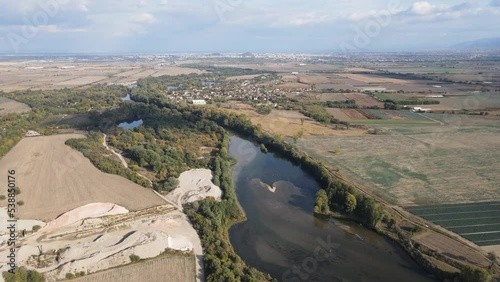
(339, 114)
(374, 79)
(358, 70)
(22, 75)
(8, 106)
(354, 114)
(313, 79)
(55, 178)
(420, 164)
(292, 85)
(288, 123)
(169, 268)
(444, 245)
(245, 77)
(177, 71)
(364, 100)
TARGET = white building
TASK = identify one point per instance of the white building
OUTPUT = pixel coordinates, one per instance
(199, 102)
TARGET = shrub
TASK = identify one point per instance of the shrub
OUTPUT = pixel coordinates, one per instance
(134, 258)
(35, 228)
(2, 197)
(20, 203)
(70, 275)
(22, 274)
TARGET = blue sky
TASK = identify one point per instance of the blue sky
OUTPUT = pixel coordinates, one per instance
(163, 26)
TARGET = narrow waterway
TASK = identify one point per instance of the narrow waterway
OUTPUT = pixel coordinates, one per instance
(283, 238)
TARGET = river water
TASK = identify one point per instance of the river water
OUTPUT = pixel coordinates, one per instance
(283, 238)
(131, 125)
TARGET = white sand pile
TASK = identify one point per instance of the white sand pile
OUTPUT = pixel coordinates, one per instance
(22, 224)
(194, 185)
(90, 243)
(93, 210)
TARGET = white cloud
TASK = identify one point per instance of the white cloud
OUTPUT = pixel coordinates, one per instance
(144, 18)
(423, 8)
(57, 29)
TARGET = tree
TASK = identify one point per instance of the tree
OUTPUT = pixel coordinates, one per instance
(321, 203)
(350, 203)
(170, 184)
(263, 148)
(474, 274)
(22, 274)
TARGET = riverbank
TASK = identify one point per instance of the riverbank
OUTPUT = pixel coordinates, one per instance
(325, 177)
(439, 265)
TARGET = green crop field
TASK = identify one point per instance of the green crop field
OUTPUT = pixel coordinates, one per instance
(477, 222)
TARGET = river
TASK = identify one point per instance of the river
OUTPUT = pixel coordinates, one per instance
(283, 238)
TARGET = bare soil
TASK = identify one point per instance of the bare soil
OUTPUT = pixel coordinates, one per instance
(55, 178)
(364, 100)
(353, 114)
(8, 106)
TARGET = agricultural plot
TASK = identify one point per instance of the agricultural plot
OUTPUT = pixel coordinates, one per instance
(381, 117)
(373, 114)
(420, 164)
(472, 101)
(354, 114)
(339, 114)
(19, 75)
(289, 123)
(168, 268)
(477, 222)
(8, 106)
(364, 100)
(54, 179)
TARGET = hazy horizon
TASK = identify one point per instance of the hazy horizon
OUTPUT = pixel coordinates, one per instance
(233, 26)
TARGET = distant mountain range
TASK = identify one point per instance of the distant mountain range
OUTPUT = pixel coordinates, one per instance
(486, 43)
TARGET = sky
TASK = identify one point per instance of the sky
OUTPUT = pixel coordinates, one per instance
(206, 26)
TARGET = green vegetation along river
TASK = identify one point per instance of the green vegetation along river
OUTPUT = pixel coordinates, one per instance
(283, 238)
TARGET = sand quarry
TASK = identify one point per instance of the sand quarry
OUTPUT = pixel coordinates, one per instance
(92, 221)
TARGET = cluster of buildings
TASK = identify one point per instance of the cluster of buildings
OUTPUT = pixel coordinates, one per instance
(245, 90)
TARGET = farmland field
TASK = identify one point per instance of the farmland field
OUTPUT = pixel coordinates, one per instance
(381, 117)
(54, 179)
(477, 222)
(8, 106)
(354, 114)
(339, 114)
(364, 100)
(16, 75)
(289, 124)
(420, 164)
(167, 268)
